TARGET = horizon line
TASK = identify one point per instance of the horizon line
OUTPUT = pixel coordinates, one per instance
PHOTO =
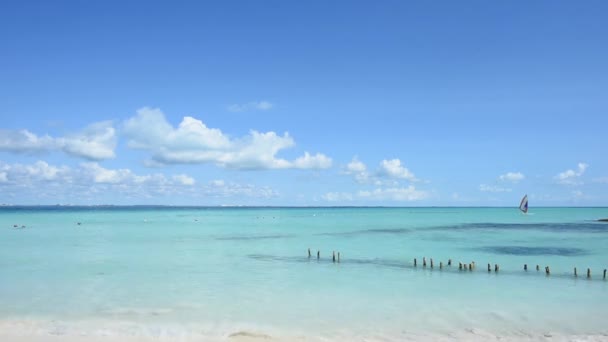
(260, 206)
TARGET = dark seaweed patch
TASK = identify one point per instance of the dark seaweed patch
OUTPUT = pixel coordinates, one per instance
(253, 237)
(521, 250)
(394, 231)
(581, 227)
(292, 259)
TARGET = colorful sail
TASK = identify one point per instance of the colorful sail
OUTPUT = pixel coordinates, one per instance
(523, 205)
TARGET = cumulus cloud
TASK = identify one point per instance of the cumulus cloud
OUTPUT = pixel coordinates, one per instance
(184, 179)
(393, 169)
(572, 177)
(99, 174)
(389, 172)
(338, 197)
(307, 161)
(356, 166)
(90, 181)
(492, 188)
(397, 194)
(250, 106)
(358, 170)
(24, 141)
(87, 174)
(217, 182)
(223, 189)
(95, 142)
(193, 142)
(513, 177)
(24, 175)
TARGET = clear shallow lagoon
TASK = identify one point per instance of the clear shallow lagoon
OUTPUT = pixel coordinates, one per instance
(213, 272)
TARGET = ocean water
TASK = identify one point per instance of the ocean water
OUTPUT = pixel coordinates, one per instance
(216, 273)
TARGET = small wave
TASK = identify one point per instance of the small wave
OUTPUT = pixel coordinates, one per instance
(250, 334)
(137, 311)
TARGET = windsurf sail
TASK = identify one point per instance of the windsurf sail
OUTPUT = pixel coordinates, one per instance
(523, 205)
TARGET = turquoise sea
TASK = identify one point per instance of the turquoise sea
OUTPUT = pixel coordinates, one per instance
(217, 273)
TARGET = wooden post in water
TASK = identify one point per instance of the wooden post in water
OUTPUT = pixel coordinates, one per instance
(489, 268)
(604, 274)
(338, 257)
(309, 253)
(415, 262)
(423, 261)
(333, 256)
(588, 273)
(318, 254)
(575, 274)
(526, 267)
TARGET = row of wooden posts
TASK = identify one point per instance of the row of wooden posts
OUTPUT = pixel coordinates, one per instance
(461, 266)
(334, 259)
(471, 266)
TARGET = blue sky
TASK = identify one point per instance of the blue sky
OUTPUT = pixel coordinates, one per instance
(304, 103)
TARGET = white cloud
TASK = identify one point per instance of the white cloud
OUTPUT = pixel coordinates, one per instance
(358, 169)
(389, 172)
(318, 161)
(395, 194)
(513, 177)
(184, 179)
(393, 169)
(221, 188)
(43, 170)
(95, 142)
(103, 175)
(356, 166)
(492, 188)
(254, 105)
(193, 142)
(338, 196)
(87, 174)
(398, 194)
(217, 183)
(91, 182)
(571, 177)
(24, 141)
(38, 171)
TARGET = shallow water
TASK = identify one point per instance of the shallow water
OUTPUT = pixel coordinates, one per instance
(219, 271)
